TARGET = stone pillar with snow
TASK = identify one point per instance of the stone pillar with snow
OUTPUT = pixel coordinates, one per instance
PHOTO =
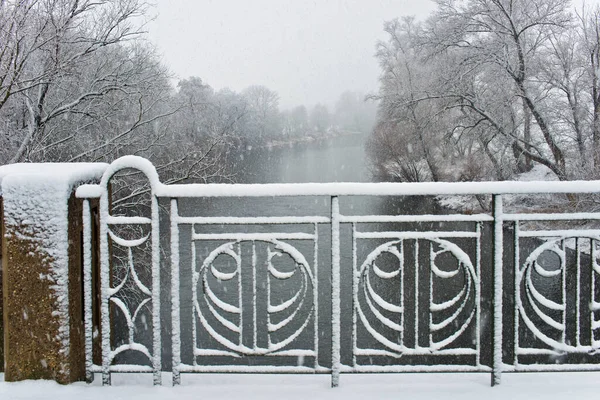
(41, 270)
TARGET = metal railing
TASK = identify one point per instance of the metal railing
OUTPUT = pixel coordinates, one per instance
(472, 292)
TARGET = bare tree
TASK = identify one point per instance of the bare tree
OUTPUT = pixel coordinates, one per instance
(262, 120)
(589, 38)
(506, 36)
(320, 119)
(506, 79)
(61, 57)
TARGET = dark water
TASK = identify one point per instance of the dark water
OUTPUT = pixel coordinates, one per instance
(339, 159)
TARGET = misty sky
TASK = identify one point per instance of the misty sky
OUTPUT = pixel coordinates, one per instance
(307, 51)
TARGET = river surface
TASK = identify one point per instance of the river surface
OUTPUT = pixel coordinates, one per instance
(338, 159)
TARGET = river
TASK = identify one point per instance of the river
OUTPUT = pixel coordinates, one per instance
(337, 159)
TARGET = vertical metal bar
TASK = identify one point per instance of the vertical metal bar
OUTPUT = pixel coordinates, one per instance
(402, 291)
(355, 281)
(269, 300)
(175, 311)
(431, 263)
(517, 272)
(315, 294)
(563, 266)
(478, 298)
(194, 299)
(497, 294)
(416, 294)
(240, 297)
(335, 293)
(578, 296)
(156, 352)
(104, 287)
(592, 314)
(254, 313)
(87, 290)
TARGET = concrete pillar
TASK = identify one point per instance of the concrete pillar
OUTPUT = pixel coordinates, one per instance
(41, 341)
(42, 274)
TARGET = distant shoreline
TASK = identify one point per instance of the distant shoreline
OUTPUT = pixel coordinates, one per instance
(310, 138)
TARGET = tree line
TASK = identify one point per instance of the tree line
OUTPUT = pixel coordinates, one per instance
(486, 89)
(80, 81)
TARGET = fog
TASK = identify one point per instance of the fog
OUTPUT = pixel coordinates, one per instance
(307, 51)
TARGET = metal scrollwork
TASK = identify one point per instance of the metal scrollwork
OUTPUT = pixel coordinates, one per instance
(448, 318)
(218, 313)
(542, 301)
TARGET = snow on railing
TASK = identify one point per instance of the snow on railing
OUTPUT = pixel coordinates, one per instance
(399, 298)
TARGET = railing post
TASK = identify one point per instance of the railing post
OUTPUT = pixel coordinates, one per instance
(175, 314)
(156, 323)
(497, 293)
(104, 288)
(335, 292)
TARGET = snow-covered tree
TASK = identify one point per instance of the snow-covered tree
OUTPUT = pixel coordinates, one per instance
(320, 119)
(262, 119)
(504, 83)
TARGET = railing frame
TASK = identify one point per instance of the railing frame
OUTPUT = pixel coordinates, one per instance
(333, 191)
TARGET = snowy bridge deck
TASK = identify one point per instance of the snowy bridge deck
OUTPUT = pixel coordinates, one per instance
(580, 386)
(344, 293)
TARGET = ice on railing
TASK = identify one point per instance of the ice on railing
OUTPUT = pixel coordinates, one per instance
(335, 189)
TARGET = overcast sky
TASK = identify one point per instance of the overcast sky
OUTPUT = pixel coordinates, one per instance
(309, 51)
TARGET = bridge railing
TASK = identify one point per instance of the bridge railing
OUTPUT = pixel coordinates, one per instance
(340, 292)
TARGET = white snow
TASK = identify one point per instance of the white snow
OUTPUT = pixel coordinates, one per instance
(250, 220)
(498, 287)
(415, 235)
(252, 236)
(335, 292)
(417, 218)
(375, 189)
(538, 173)
(69, 173)
(434, 386)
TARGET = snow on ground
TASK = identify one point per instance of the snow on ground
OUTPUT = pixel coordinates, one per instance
(516, 386)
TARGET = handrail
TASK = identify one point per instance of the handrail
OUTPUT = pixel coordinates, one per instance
(360, 189)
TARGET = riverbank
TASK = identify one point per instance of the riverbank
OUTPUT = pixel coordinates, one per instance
(315, 137)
